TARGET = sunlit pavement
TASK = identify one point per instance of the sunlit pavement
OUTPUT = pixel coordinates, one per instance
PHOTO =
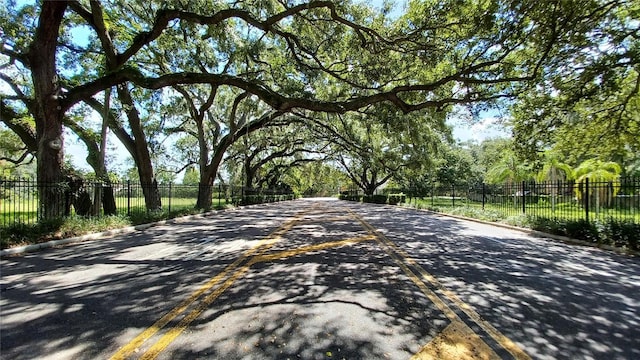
(321, 279)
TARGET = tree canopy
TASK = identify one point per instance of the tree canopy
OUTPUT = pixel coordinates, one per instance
(319, 57)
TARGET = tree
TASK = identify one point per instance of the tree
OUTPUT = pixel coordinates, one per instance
(436, 55)
(601, 174)
(191, 176)
(553, 170)
(266, 155)
(510, 170)
(237, 115)
(10, 145)
(317, 178)
(22, 124)
(587, 102)
(376, 145)
(454, 167)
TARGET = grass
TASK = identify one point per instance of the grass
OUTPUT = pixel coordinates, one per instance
(620, 228)
(22, 228)
(501, 211)
(23, 234)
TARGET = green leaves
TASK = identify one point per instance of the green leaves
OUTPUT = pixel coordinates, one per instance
(598, 170)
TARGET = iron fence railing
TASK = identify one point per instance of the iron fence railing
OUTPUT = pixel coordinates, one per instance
(20, 200)
(587, 200)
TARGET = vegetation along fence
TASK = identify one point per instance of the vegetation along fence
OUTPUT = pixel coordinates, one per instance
(564, 200)
(19, 201)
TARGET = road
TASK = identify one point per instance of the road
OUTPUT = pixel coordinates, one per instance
(320, 279)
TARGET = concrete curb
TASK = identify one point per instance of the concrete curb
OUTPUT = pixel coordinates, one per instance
(537, 233)
(105, 234)
(77, 239)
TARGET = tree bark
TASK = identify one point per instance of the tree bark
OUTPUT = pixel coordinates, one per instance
(207, 177)
(205, 193)
(48, 111)
(141, 155)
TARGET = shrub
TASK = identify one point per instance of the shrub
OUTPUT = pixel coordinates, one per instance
(581, 229)
(551, 226)
(45, 230)
(395, 199)
(349, 196)
(519, 220)
(621, 233)
(375, 199)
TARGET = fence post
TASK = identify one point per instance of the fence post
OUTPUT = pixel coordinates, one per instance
(586, 199)
(128, 197)
(219, 194)
(432, 193)
(524, 198)
(170, 197)
(453, 196)
(483, 193)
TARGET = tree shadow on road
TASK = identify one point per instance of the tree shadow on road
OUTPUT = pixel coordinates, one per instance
(558, 301)
(74, 302)
(87, 300)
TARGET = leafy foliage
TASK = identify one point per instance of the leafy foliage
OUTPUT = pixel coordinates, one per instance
(357, 69)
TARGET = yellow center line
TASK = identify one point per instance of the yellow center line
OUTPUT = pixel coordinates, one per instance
(311, 248)
(421, 285)
(402, 258)
(128, 349)
(174, 332)
(331, 219)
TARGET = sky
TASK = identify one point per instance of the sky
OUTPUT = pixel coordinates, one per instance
(487, 127)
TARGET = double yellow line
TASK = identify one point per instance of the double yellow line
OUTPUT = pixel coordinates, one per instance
(410, 268)
(260, 248)
(232, 272)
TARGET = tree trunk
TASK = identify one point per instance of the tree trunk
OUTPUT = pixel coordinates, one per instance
(208, 175)
(369, 190)
(205, 195)
(101, 171)
(109, 200)
(250, 174)
(205, 188)
(141, 155)
(48, 114)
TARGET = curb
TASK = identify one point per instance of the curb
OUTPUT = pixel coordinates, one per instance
(537, 233)
(104, 234)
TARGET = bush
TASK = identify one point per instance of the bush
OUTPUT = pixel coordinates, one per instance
(395, 199)
(551, 226)
(375, 199)
(581, 229)
(621, 233)
(519, 220)
(20, 234)
(349, 196)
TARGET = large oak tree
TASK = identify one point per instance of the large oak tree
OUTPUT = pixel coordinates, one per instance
(320, 56)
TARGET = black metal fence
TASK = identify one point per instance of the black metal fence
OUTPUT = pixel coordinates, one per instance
(20, 202)
(569, 200)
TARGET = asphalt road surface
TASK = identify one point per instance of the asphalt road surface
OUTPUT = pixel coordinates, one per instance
(320, 279)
